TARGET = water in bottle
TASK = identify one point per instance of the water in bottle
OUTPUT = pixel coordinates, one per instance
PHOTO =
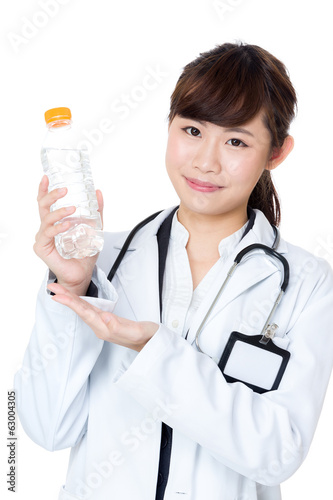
(66, 163)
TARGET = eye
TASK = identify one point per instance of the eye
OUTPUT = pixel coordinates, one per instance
(237, 143)
(192, 131)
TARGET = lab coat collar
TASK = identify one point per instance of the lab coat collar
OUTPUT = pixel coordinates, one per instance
(138, 272)
(146, 232)
(261, 232)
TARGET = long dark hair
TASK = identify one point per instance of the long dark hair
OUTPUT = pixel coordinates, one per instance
(229, 86)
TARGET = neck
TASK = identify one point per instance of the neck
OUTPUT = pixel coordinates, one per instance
(211, 229)
(205, 234)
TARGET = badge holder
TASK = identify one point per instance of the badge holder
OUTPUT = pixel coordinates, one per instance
(259, 365)
(255, 360)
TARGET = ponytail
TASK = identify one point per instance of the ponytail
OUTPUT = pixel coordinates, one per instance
(265, 198)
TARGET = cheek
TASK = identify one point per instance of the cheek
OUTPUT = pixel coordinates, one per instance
(176, 154)
(246, 169)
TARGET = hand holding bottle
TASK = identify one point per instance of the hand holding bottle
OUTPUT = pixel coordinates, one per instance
(74, 274)
(66, 162)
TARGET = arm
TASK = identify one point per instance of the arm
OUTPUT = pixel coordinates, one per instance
(262, 436)
(265, 437)
(52, 385)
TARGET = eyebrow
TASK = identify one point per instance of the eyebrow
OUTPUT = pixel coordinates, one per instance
(240, 130)
(232, 129)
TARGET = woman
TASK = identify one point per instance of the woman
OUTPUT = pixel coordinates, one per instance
(127, 357)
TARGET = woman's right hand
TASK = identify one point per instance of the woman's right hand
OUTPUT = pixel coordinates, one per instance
(73, 274)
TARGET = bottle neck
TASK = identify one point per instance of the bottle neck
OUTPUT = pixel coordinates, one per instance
(59, 124)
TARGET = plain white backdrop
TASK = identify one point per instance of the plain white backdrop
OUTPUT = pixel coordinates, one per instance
(115, 63)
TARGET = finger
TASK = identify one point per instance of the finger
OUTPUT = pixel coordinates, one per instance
(100, 202)
(52, 217)
(87, 312)
(46, 200)
(49, 229)
(43, 187)
(58, 289)
(44, 237)
(100, 321)
(106, 325)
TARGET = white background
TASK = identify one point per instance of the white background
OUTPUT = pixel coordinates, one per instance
(90, 55)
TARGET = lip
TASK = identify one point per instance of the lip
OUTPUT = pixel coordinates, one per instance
(204, 187)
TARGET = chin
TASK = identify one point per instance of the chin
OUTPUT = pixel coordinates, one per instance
(210, 209)
(202, 209)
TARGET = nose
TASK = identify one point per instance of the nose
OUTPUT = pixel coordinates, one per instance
(208, 157)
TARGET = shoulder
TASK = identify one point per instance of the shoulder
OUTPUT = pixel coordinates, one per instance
(304, 258)
(309, 271)
(303, 264)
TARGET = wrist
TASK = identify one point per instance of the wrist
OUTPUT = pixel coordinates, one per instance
(79, 289)
(148, 331)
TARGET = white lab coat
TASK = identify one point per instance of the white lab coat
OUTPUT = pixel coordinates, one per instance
(107, 402)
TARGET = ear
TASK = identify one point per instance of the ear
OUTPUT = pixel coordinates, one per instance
(278, 155)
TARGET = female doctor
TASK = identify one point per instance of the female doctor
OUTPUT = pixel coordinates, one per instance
(136, 387)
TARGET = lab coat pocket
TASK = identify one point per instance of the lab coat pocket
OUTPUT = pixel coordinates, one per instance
(65, 495)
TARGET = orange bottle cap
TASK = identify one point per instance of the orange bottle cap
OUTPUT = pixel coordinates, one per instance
(54, 114)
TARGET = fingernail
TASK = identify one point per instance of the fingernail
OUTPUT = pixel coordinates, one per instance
(61, 190)
(70, 209)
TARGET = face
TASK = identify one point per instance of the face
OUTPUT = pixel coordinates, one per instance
(214, 169)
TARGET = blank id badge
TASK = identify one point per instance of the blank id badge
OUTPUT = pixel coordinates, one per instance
(259, 366)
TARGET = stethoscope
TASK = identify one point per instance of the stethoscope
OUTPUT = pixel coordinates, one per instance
(268, 330)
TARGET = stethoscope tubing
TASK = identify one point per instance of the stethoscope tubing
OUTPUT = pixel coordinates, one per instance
(237, 260)
(256, 246)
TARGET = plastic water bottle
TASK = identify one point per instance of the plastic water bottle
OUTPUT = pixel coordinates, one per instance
(67, 165)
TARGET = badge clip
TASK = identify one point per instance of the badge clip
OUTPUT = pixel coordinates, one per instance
(269, 333)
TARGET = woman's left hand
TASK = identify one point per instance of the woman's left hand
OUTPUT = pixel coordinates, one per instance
(107, 326)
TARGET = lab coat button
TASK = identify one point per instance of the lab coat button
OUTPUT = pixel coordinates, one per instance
(175, 323)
